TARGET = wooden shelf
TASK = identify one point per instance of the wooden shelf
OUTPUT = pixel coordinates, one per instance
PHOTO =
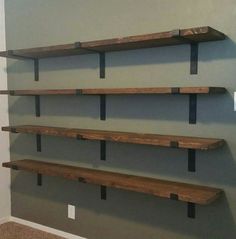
(115, 91)
(161, 188)
(191, 91)
(124, 137)
(183, 36)
(192, 194)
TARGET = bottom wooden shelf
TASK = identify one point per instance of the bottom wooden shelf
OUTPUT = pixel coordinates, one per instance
(173, 190)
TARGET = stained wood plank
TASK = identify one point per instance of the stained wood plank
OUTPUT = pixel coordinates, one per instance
(40, 92)
(118, 91)
(198, 34)
(124, 137)
(160, 188)
(176, 37)
(46, 52)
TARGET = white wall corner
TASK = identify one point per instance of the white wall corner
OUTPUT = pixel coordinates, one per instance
(5, 207)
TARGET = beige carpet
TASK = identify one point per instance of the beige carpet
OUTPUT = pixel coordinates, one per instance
(12, 230)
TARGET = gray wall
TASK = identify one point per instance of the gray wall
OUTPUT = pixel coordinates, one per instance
(124, 214)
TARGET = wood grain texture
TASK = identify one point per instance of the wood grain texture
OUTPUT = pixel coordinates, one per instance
(198, 34)
(161, 188)
(117, 91)
(124, 137)
(176, 37)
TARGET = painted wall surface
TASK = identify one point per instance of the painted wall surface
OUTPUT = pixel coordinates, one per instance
(4, 119)
(124, 214)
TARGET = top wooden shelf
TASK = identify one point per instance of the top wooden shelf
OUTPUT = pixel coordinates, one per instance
(117, 91)
(124, 137)
(176, 37)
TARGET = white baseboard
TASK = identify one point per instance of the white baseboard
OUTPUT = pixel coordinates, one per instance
(40, 227)
(4, 220)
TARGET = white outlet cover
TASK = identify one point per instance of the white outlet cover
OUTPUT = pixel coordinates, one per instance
(235, 101)
(71, 211)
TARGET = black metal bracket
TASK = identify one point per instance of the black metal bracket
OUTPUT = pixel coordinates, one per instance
(103, 150)
(102, 107)
(193, 50)
(19, 57)
(80, 137)
(103, 192)
(102, 59)
(37, 105)
(191, 210)
(79, 92)
(174, 197)
(191, 160)
(192, 108)
(82, 180)
(191, 206)
(102, 64)
(77, 44)
(192, 105)
(36, 69)
(38, 142)
(194, 59)
(191, 156)
(102, 188)
(175, 90)
(39, 179)
(174, 144)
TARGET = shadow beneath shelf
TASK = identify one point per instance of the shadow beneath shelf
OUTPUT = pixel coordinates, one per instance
(172, 108)
(159, 55)
(67, 106)
(138, 107)
(217, 108)
(79, 62)
(132, 159)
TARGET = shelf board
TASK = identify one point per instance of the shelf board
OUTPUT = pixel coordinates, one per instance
(117, 91)
(124, 137)
(176, 37)
(186, 192)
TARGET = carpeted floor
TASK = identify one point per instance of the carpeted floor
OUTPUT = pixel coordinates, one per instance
(12, 230)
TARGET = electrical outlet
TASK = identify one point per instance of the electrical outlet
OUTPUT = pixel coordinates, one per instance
(235, 101)
(71, 211)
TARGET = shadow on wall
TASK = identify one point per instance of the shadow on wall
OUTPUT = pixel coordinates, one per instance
(143, 160)
(54, 64)
(149, 107)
